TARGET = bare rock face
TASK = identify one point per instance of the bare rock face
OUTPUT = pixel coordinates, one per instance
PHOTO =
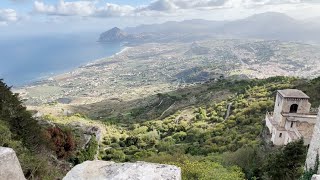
(315, 177)
(9, 165)
(314, 148)
(113, 35)
(101, 170)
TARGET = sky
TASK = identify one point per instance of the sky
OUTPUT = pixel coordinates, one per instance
(45, 16)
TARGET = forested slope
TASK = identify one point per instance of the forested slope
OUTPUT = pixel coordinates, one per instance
(215, 129)
(207, 131)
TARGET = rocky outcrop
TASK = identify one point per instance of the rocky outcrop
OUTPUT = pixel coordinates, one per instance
(88, 131)
(113, 35)
(101, 170)
(9, 165)
(117, 35)
(315, 177)
(314, 148)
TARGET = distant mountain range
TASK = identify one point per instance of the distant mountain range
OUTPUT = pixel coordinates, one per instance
(263, 26)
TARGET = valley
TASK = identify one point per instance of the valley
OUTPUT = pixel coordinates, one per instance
(198, 105)
(139, 73)
(165, 89)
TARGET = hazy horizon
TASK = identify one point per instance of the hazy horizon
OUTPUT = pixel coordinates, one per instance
(33, 17)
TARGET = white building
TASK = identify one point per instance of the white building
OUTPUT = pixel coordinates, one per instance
(291, 119)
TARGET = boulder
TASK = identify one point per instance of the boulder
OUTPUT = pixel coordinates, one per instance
(315, 177)
(9, 165)
(101, 170)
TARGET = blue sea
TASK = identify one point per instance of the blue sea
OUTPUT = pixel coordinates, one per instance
(28, 59)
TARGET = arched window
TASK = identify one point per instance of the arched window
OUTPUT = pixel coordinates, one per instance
(294, 108)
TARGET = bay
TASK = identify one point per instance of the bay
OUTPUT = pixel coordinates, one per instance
(24, 60)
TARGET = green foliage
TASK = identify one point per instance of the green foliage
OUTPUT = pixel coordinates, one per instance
(208, 132)
(194, 168)
(88, 153)
(203, 131)
(19, 120)
(287, 163)
(5, 134)
(19, 131)
(208, 171)
(249, 159)
(311, 88)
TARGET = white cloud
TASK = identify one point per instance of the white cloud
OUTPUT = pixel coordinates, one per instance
(254, 3)
(82, 8)
(161, 5)
(77, 8)
(43, 8)
(187, 4)
(7, 15)
(111, 10)
(91, 8)
(170, 5)
(96, 8)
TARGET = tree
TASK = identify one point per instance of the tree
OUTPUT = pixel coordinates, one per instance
(18, 118)
(21, 132)
(286, 163)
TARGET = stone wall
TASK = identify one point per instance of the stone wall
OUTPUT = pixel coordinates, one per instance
(9, 165)
(278, 109)
(306, 130)
(314, 148)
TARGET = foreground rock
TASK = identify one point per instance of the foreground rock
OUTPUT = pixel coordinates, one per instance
(100, 170)
(315, 177)
(9, 165)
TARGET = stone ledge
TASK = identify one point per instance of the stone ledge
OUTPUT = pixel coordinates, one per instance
(101, 170)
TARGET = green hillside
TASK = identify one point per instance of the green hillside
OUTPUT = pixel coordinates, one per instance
(203, 132)
(213, 130)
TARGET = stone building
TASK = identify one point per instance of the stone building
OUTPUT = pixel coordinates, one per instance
(291, 119)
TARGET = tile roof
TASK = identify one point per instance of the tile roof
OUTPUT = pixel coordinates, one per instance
(293, 93)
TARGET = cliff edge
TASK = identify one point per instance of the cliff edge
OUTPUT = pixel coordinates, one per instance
(314, 148)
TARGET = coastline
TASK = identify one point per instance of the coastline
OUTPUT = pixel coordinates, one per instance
(51, 55)
(124, 49)
(51, 76)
